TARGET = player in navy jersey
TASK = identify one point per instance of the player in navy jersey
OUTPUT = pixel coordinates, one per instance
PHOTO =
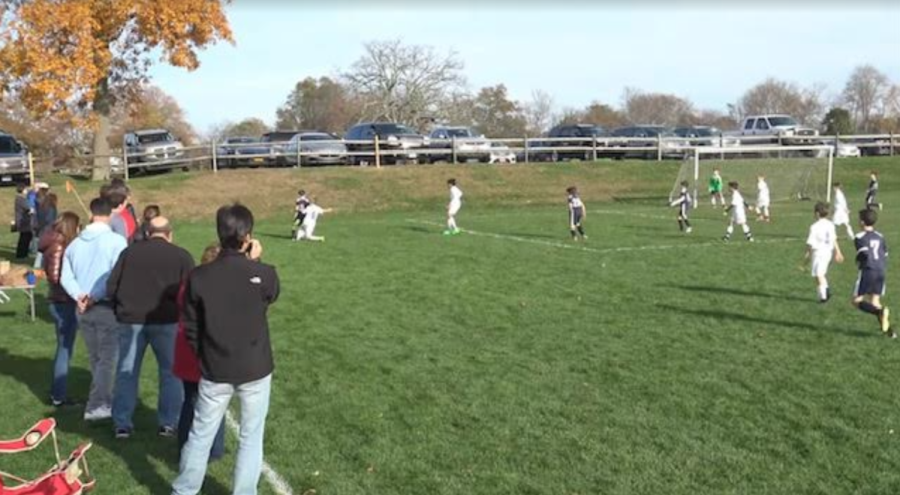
(577, 212)
(684, 202)
(871, 257)
(300, 206)
(872, 191)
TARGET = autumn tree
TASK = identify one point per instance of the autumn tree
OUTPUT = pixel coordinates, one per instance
(774, 96)
(596, 113)
(498, 116)
(403, 83)
(323, 104)
(656, 108)
(78, 59)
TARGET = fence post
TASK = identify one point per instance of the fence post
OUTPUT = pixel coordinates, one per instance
(125, 163)
(892, 143)
(215, 158)
(594, 147)
(377, 153)
(659, 147)
(837, 141)
(525, 145)
(721, 146)
(299, 157)
(453, 143)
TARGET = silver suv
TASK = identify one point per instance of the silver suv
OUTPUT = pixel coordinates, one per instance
(13, 159)
(153, 147)
(777, 127)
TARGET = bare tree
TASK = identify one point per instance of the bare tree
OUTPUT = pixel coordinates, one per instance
(774, 96)
(403, 83)
(539, 112)
(863, 93)
(656, 108)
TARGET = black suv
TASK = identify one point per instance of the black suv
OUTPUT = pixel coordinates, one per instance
(13, 160)
(396, 143)
(582, 137)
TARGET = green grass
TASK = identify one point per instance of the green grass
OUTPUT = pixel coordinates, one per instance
(412, 363)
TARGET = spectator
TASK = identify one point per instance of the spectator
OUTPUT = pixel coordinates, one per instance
(23, 221)
(45, 219)
(120, 221)
(187, 368)
(119, 185)
(225, 323)
(87, 264)
(53, 245)
(150, 212)
(143, 288)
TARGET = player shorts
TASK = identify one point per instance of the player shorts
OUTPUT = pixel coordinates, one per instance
(870, 198)
(739, 216)
(841, 218)
(869, 282)
(454, 207)
(575, 216)
(306, 230)
(683, 210)
(820, 263)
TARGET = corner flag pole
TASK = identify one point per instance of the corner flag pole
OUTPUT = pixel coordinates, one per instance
(70, 188)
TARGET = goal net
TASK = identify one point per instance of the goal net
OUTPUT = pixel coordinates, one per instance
(793, 173)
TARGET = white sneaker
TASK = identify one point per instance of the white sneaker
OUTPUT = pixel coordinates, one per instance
(688, 230)
(98, 414)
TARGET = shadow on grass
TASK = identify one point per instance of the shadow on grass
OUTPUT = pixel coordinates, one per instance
(421, 229)
(729, 316)
(138, 454)
(650, 200)
(269, 235)
(738, 292)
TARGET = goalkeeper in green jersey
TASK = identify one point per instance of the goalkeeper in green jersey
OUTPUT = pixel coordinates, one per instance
(715, 188)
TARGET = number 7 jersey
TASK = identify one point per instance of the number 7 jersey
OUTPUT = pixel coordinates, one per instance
(871, 251)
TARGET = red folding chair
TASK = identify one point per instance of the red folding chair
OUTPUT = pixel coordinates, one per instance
(64, 478)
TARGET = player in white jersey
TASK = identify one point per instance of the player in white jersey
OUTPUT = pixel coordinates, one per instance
(762, 199)
(453, 207)
(821, 247)
(307, 229)
(841, 210)
(738, 211)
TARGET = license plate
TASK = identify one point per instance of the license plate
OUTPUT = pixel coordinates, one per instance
(257, 160)
(413, 155)
(6, 179)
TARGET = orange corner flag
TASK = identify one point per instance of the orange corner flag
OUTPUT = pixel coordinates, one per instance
(69, 187)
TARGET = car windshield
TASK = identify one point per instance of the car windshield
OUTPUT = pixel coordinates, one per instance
(240, 140)
(782, 121)
(592, 131)
(162, 137)
(460, 133)
(9, 145)
(392, 129)
(316, 137)
(698, 132)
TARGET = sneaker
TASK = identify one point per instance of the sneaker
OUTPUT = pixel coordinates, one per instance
(725, 238)
(584, 237)
(123, 433)
(688, 230)
(886, 319)
(167, 432)
(457, 231)
(891, 334)
(448, 232)
(751, 239)
(64, 403)
(98, 414)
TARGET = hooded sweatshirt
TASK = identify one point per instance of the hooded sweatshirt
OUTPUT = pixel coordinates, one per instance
(88, 261)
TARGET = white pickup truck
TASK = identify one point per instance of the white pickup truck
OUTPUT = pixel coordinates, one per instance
(776, 128)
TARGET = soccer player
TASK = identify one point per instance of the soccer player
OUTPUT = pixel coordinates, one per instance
(762, 199)
(577, 213)
(871, 257)
(821, 246)
(738, 211)
(684, 203)
(872, 191)
(453, 207)
(841, 210)
(300, 206)
(715, 188)
(312, 212)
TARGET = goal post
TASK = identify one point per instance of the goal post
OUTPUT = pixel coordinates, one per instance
(791, 172)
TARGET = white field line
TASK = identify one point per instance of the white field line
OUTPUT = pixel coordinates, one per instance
(581, 247)
(279, 485)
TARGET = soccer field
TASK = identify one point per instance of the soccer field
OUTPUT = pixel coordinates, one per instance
(510, 360)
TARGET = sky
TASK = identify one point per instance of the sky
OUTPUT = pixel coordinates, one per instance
(575, 51)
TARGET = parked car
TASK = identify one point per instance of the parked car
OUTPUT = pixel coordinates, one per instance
(243, 150)
(275, 142)
(316, 148)
(778, 128)
(500, 153)
(153, 149)
(704, 135)
(582, 138)
(468, 144)
(396, 142)
(13, 160)
(647, 136)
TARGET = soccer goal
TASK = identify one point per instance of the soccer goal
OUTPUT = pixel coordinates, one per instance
(793, 173)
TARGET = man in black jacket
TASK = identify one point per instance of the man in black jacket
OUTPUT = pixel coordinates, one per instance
(23, 221)
(225, 321)
(143, 287)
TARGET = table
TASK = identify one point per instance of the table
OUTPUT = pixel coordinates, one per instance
(27, 289)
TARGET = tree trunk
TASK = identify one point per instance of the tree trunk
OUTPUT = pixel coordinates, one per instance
(101, 153)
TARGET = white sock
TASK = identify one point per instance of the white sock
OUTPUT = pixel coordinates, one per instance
(729, 229)
(849, 230)
(745, 228)
(823, 292)
(451, 223)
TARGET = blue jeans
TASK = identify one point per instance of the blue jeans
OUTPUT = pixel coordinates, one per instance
(66, 321)
(191, 391)
(212, 404)
(133, 341)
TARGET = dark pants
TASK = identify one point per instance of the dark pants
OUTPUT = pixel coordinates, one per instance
(24, 244)
(191, 391)
(66, 321)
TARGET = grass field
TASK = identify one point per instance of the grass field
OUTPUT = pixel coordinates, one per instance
(509, 360)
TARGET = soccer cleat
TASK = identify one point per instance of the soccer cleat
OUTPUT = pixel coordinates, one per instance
(167, 432)
(448, 232)
(891, 334)
(726, 238)
(885, 319)
(584, 237)
(98, 414)
(688, 230)
(457, 231)
(123, 433)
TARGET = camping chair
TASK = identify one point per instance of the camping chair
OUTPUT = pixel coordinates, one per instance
(64, 478)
